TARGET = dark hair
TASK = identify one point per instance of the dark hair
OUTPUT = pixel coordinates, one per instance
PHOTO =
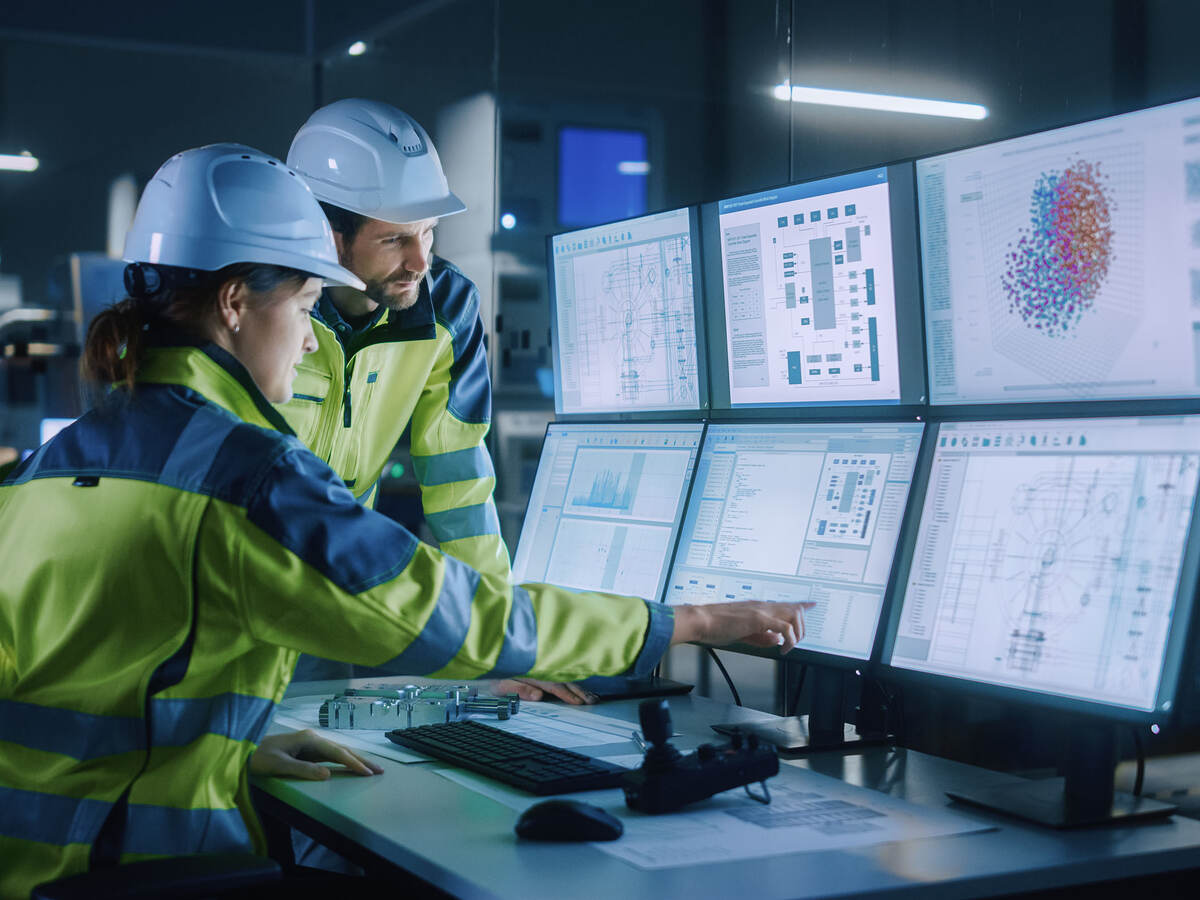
(343, 221)
(112, 352)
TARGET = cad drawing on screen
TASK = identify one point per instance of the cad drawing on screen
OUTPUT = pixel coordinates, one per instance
(636, 323)
(1062, 570)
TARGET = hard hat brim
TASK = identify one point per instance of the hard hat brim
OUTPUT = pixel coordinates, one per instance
(415, 212)
(402, 214)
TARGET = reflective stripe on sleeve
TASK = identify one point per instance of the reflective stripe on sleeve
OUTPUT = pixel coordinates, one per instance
(446, 630)
(464, 522)
(519, 652)
(457, 465)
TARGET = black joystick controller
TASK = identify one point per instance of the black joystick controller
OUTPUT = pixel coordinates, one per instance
(669, 780)
(661, 756)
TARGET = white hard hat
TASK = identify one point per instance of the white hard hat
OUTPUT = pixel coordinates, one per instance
(214, 206)
(372, 159)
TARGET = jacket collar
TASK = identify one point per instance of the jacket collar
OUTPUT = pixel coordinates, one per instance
(413, 324)
(212, 372)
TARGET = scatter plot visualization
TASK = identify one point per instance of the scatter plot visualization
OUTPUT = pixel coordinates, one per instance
(1058, 265)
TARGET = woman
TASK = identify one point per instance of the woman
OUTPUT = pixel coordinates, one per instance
(168, 556)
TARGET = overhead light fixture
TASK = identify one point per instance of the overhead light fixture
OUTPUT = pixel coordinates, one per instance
(633, 167)
(21, 162)
(884, 102)
(358, 48)
(508, 221)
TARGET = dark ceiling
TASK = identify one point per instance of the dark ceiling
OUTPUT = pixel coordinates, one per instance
(273, 27)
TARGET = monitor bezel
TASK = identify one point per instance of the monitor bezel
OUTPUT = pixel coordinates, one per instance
(802, 654)
(649, 426)
(910, 328)
(1178, 655)
(701, 411)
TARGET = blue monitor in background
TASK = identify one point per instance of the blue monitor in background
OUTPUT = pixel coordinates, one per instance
(602, 175)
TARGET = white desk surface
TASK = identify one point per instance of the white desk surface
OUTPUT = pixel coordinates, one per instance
(463, 842)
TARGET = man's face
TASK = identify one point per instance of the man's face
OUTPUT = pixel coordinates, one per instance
(390, 259)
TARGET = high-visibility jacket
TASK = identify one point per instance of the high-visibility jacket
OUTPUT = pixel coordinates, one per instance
(164, 560)
(358, 392)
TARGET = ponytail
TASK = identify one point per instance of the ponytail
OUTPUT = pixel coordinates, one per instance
(113, 349)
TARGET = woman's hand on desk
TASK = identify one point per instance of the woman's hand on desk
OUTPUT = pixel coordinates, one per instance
(299, 754)
(532, 689)
(754, 622)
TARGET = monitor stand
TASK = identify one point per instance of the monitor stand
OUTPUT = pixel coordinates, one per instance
(1085, 796)
(825, 727)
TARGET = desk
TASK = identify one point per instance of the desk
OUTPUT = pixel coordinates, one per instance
(463, 842)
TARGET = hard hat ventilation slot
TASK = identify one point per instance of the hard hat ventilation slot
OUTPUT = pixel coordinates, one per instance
(407, 139)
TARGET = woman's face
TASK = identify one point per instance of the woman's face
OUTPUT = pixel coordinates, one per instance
(274, 333)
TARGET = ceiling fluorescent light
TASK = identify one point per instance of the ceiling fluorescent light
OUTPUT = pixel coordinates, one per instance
(884, 102)
(23, 162)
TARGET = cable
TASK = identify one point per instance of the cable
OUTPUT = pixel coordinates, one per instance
(1141, 761)
(799, 688)
(729, 681)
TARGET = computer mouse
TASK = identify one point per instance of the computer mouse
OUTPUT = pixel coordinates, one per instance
(568, 820)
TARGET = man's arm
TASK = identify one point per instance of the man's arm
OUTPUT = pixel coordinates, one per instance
(449, 425)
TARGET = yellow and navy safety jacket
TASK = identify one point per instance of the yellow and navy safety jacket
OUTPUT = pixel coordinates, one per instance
(426, 365)
(164, 560)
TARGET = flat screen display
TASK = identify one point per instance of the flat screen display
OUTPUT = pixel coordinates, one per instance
(1066, 265)
(798, 512)
(605, 507)
(819, 293)
(1049, 557)
(624, 297)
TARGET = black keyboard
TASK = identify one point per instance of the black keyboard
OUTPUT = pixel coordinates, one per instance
(520, 761)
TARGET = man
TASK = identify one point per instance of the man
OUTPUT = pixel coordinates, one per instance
(409, 347)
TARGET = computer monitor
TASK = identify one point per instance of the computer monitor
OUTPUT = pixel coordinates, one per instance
(603, 174)
(1065, 265)
(1055, 564)
(799, 512)
(624, 328)
(814, 293)
(606, 505)
(802, 513)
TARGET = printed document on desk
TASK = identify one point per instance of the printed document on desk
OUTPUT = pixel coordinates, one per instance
(565, 727)
(808, 812)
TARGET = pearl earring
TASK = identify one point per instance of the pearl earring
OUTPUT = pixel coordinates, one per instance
(237, 328)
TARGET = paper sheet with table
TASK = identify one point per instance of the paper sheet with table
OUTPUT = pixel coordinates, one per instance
(808, 812)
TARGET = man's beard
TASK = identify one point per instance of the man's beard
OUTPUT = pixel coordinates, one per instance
(378, 292)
